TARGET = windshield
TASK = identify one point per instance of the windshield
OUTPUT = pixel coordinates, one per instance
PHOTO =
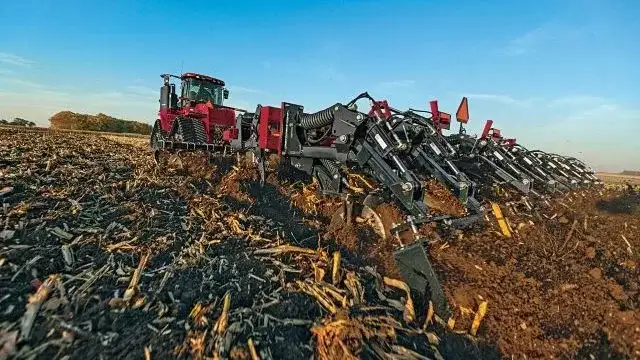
(202, 91)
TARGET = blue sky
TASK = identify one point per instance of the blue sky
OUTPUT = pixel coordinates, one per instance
(558, 75)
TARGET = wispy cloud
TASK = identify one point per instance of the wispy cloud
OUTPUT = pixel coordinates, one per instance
(242, 89)
(23, 86)
(6, 72)
(564, 102)
(397, 83)
(526, 42)
(598, 112)
(108, 95)
(54, 94)
(330, 72)
(12, 59)
(143, 91)
(591, 131)
(541, 36)
(27, 83)
(504, 99)
(578, 100)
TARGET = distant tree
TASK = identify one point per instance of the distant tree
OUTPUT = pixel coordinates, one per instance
(98, 122)
(22, 122)
(17, 122)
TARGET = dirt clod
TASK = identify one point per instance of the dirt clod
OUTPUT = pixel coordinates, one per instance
(596, 273)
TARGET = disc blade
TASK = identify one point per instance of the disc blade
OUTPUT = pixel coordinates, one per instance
(375, 221)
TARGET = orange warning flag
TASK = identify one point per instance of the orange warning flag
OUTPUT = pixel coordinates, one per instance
(462, 115)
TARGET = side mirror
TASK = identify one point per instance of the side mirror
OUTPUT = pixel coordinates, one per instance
(225, 93)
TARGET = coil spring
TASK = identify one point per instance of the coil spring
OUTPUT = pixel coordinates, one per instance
(330, 165)
(317, 120)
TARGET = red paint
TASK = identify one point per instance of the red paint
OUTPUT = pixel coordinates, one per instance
(509, 142)
(487, 128)
(440, 119)
(214, 118)
(381, 109)
(445, 120)
(211, 116)
(230, 134)
(270, 128)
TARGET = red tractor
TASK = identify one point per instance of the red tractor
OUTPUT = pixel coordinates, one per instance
(197, 120)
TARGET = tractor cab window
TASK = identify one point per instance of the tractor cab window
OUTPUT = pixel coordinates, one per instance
(202, 91)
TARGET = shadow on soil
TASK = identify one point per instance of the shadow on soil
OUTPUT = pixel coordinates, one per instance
(627, 203)
(599, 348)
(272, 204)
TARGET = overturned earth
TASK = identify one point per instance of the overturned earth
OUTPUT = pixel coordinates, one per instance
(105, 254)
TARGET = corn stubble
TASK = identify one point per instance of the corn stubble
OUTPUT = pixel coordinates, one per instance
(102, 253)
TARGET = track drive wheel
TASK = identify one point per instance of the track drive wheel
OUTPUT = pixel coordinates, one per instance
(157, 135)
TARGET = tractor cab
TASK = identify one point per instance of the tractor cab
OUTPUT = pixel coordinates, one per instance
(202, 89)
(194, 89)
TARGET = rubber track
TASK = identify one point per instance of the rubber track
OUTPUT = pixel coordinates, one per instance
(192, 130)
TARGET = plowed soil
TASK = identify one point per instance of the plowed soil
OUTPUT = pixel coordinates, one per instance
(565, 285)
(553, 292)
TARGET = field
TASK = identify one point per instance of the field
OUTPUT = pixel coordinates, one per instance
(613, 178)
(105, 255)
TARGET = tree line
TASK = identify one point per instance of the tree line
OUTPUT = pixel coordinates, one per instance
(100, 122)
(17, 122)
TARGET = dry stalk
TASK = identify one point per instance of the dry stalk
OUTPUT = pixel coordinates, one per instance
(353, 284)
(122, 245)
(335, 271)
(33, 306)
(252, 350)
(430, 313)
(198, 315)
(358, 177)
(628, 244)
(221, 324)
(482, 311)
(135, 278)
(569, 235)
(409, 313)
(284, 249)
(318, 272)
(319, 295)
(339, 339)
